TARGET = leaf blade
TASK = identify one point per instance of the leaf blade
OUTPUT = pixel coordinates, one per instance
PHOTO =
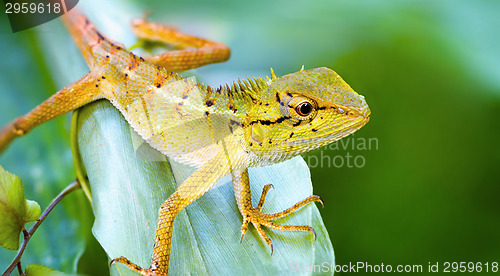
(15, 210)
(206, 234)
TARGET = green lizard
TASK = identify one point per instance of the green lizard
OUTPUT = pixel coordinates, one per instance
(220, 131)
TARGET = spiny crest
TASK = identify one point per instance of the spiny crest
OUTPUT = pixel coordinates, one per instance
(251, 87)
(273, 76)
(269, 80)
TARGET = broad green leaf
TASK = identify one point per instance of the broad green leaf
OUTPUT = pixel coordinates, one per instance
(15, 210)
(41, 270)
(127, 192)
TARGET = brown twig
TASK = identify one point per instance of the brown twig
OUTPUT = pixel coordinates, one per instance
(19, 268)
(28, 234)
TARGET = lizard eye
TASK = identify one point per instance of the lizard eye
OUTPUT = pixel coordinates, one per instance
(300, 108)
(304, 109)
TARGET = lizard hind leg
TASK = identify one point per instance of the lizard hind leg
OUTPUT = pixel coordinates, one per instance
(255, 216)
(132, 266)
(195, 52)
(67, 99)
(163, 239)
(190, 190)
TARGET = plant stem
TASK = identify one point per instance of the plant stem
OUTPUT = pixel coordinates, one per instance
(19, 268)
(81, 175)
(28, 234)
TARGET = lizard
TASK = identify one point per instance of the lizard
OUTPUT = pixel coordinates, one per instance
(220, 131)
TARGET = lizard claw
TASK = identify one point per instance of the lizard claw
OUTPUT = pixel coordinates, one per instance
(134, 267)
(255, 216)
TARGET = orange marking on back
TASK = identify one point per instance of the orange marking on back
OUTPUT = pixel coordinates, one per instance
(111, 52)
(133, 62)
(159, 80)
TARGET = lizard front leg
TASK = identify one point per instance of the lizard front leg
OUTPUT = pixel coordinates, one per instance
(255, 216)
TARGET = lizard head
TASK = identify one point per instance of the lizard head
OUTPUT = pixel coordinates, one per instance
(303, 111)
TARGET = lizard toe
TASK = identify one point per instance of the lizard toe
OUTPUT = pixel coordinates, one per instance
(258, 219)
(134, 267)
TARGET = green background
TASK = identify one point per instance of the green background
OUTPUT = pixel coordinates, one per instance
(430, 71)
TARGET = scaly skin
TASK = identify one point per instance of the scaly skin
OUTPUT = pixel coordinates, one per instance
(220, 131)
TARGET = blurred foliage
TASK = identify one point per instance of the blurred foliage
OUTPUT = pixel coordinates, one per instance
(430, 71)
(41, 270)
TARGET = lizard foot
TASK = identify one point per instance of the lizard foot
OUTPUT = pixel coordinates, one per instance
(258, 219)
(134, 267)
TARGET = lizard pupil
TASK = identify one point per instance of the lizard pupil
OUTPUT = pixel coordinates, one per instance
(304, 109)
